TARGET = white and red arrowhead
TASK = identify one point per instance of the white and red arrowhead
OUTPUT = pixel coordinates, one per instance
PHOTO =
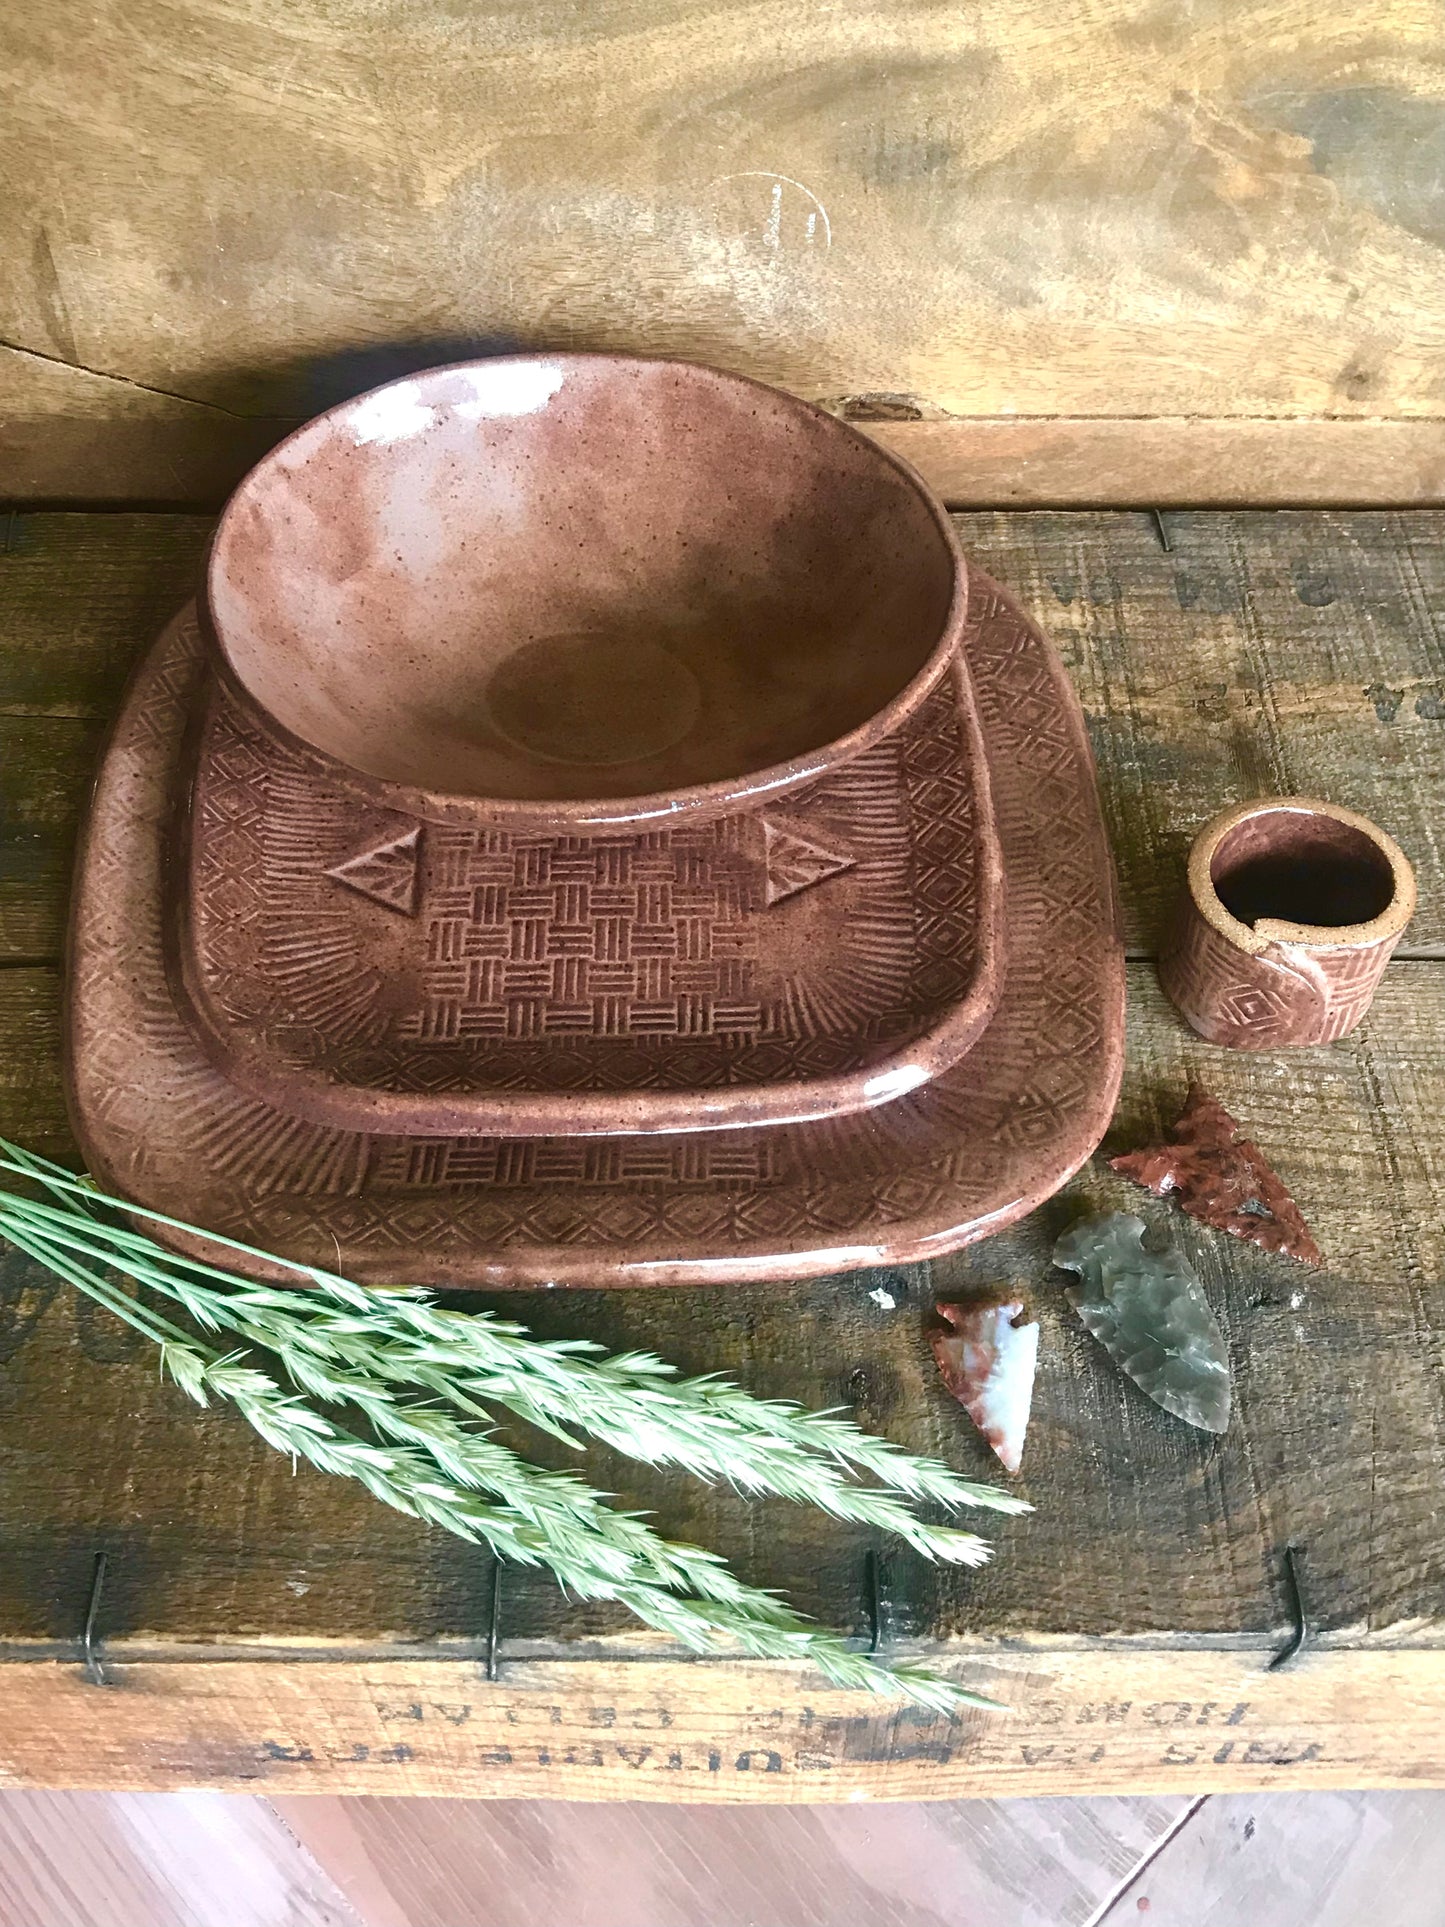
(988, 1362)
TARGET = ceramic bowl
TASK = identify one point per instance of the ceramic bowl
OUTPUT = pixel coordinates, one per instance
(581, 589)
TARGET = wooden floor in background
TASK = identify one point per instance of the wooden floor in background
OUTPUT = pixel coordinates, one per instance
(219, 1860)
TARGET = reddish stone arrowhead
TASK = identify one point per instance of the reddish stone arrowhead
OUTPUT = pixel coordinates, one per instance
(988, 1363)
(1222, 1179)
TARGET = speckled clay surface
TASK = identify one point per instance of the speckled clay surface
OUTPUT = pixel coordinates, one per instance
(793, 960)
(960, 1157)
(1293, 909)
(581, 589)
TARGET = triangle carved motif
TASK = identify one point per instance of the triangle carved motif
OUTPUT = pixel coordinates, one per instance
(795, 862)
(388, 872)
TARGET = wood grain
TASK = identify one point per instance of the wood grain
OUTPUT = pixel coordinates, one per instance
(203, 1859)
(67, 436)
(1109, 1720)
(1017, 209)
(1183, 461)
(1261, 652)
(80, 595)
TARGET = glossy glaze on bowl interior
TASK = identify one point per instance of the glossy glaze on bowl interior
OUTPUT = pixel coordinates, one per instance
(582, 588)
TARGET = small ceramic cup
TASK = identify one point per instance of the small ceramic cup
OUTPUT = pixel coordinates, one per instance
(1292, 910)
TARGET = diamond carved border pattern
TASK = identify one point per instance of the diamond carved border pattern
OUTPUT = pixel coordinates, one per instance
(1281, 996)
(960, 1156)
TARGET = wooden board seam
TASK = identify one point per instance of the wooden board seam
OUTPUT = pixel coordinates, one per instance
(852, 408)
(952, 1653)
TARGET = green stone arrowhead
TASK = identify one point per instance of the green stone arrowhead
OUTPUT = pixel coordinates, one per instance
(1148, 1310)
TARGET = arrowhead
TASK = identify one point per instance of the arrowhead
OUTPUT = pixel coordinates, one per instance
(1222, 1179)
(988, 1362)
(389, 873)
(795, 862)
(1149, 1312)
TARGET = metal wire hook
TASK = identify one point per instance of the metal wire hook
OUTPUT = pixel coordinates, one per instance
(89, 1644)
(494, 1627)
(1294, 1599)
(872, 1580)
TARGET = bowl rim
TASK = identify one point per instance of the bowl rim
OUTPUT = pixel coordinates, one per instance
(656, 807)
(1387, 926)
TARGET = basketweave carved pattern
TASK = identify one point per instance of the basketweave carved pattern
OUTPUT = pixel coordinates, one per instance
(961, 1156)
(687, 958)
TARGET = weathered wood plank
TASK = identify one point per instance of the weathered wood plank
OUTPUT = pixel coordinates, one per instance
(67, 435)
(1143, 1526)
(1260, 649)
(80, 598)
(1262, 654)
(1012, 209)
(32, 1103)
(1125, 1720)
(1288, 651)
(44, 761)
(74, 437)
(1185, 461)
(79, 595)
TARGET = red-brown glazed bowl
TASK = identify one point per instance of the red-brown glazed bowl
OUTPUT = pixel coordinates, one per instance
(581, 590)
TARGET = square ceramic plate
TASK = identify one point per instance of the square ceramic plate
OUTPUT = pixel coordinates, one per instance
(958, 1158)
(789, 961)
